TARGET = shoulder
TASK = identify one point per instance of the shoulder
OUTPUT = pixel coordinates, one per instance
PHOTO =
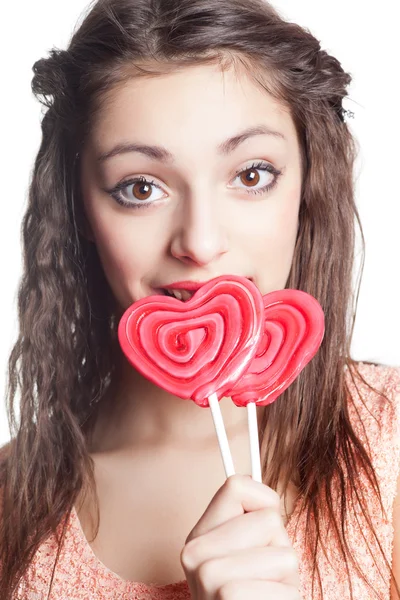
(374, 408)
(374, 411)
(4, 454)
(374, 405)
(374, 394)
(5, 451)
(377, 375)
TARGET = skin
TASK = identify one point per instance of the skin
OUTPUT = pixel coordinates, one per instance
(203, 222)
(239, 548)
(208, 223)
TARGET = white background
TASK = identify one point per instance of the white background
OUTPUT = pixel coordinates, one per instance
(365, 41)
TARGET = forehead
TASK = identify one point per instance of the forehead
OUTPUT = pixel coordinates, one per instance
(200, 105)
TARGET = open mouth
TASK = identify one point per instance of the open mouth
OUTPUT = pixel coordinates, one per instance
(183, 295)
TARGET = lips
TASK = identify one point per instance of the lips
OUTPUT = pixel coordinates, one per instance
(185, 285)
(183, 290)
(183, 295)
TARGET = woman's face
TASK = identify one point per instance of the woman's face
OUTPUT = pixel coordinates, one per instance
(202, 208)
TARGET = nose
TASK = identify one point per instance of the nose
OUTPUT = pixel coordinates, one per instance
(200, 237)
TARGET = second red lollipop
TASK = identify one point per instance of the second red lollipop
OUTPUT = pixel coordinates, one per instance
(293, 332)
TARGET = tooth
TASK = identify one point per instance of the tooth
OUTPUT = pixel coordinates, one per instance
(177, 294)
(186, 295)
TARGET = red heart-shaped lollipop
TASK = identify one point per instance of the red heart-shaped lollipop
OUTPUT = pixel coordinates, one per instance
(197, 348)
(293, 332)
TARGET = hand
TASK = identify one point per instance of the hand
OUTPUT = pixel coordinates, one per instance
(239, 549)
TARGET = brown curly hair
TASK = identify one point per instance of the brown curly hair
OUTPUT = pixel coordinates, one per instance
(63, 360)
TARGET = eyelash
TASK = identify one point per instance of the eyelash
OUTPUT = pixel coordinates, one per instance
(262, 166)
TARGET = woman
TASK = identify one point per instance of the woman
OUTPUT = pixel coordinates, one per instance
(184, 140)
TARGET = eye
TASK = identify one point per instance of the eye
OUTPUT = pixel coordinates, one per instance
(269, 177)
(142, 192)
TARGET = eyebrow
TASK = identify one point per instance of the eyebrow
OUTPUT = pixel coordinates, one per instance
(163, 155)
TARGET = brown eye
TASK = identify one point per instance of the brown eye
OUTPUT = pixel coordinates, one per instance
(260, 172)
(142, 190)
(250, 176)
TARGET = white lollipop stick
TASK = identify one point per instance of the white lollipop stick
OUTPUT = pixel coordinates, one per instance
(221, 435)
(254, 442)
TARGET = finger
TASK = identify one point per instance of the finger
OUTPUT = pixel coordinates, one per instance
(256, 529)
(256, 590)
(269, 564)
(239, 494)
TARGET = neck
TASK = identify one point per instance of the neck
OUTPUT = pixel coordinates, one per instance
(138, 412)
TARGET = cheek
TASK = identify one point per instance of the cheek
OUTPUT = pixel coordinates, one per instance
(273, 243)
(127, 257)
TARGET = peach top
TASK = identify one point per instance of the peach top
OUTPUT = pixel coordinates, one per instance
(81, 576)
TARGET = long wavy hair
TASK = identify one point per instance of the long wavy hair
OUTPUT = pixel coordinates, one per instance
(63, 363)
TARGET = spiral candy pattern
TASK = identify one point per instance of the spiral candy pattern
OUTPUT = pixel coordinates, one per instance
(293, 332)
(196, 348)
